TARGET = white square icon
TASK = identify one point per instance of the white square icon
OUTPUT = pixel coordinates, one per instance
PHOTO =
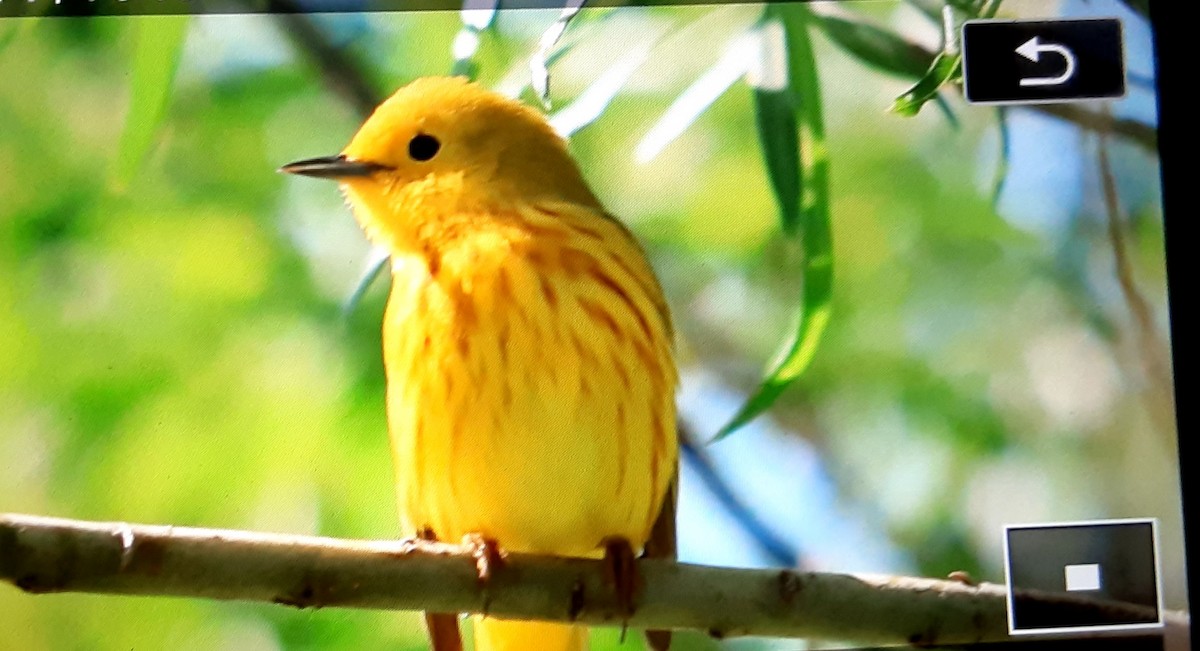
(1082, 577)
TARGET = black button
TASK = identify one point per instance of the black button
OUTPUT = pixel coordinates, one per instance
(1090, 565)
(1042, 61)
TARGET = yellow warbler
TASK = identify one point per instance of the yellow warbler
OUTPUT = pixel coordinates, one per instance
(527, 343)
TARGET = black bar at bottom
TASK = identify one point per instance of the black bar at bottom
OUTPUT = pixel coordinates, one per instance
(1114, 643)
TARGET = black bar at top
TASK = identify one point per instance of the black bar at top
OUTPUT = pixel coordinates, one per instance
(80, 8)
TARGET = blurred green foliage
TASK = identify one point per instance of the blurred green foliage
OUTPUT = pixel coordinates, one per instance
(173, 349)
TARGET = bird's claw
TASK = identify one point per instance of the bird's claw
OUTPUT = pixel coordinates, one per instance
(488, 555)
(621, 572)
(443, 627)
(425, 540)
(411, 545)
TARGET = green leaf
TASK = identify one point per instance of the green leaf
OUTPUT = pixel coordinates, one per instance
(814, 232)
(875, 46)
(157, 44)
(944, 69)
(775, 116)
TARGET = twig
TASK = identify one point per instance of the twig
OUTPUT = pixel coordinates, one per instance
(697, 458)
(42, 555)
(339, 71)
(1153, 349)
(1137, 132)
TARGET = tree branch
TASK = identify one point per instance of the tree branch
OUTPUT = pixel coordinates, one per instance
(1136, 132)
(42, 555)
(339, 70)
(1153, 350)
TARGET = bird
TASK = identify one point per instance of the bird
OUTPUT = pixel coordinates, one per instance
(527, 345)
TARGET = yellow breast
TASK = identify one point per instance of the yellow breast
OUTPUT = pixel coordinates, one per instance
(530, 382)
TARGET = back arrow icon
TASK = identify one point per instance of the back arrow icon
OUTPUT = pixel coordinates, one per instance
(1032, 50)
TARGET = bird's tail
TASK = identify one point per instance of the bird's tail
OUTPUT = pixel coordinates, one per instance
(503, 635)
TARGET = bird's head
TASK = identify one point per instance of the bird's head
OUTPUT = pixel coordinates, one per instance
(440, 145)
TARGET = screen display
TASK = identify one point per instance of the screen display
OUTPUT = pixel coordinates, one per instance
(912, 253)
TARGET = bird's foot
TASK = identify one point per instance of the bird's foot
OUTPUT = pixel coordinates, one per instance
(425, 541)
(658, 640)
(489, 557)
(443, 627)
(443, 632)
(621, 572)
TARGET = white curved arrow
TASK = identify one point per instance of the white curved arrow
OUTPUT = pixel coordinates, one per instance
(1032, 50)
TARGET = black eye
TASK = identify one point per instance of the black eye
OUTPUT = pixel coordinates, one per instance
(423, 147)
